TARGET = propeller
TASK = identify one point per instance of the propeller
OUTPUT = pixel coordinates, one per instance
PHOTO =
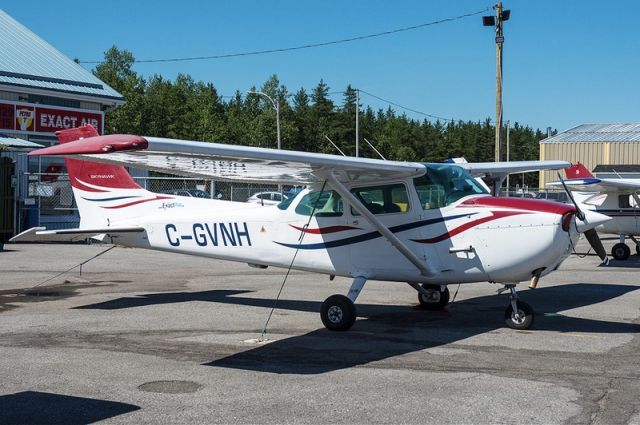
(591, 234)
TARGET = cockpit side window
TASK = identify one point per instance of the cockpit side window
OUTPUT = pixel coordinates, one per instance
(627, 201)
(444, 184)
(327, 204)
(383, 199)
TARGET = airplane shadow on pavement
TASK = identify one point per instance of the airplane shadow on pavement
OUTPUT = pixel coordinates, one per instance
(385, 331)
(35, 407)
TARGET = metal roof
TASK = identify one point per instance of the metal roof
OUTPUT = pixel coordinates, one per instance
(29, 61)
(13, 142)
(598, 133)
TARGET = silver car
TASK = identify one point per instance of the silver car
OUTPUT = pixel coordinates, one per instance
(267, 198)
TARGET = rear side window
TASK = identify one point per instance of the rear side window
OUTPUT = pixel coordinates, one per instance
(384, 199)
(327, 204)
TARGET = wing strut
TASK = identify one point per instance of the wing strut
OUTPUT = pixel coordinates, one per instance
(423, 266)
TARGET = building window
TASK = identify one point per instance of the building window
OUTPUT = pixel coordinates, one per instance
(7, 117)
(54, 101)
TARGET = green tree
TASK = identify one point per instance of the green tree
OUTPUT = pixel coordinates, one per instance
(116, 72)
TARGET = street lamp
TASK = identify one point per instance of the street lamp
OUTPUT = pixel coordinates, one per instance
(496, 21)
(276, 106)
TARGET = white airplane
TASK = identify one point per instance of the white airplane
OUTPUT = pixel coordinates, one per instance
(430, 225)
(616, 198)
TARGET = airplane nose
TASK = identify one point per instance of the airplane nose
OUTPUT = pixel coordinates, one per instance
(591, 220)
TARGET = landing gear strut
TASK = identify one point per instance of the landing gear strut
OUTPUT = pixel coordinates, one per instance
(518, 315)
(338, 313)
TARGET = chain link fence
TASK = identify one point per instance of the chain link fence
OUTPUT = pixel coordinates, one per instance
(230, 191)
(49, 199)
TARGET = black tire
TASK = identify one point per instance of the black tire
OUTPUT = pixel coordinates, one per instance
(620, 251)
(637, 249)
(338, 313)
(437, 300)
(526, 316)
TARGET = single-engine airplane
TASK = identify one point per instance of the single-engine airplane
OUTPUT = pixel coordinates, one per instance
(430, 225)
(616, 198)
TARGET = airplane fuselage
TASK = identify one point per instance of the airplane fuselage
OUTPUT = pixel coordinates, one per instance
(478, 238)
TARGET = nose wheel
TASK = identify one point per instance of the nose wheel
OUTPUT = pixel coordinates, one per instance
(518, 315)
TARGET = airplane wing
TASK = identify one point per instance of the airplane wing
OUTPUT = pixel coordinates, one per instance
(593, 184)
(502, 169)
(230, 162)
(40, 234)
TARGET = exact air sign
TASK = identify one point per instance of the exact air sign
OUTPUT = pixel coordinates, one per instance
(36, 119)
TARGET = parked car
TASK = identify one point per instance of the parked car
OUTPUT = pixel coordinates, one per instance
(554, 196)
(194, 193)
(267, 198)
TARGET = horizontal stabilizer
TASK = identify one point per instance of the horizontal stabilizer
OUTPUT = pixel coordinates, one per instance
(41, 234)
(601, 185)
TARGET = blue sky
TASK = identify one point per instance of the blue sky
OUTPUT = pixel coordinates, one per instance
(565, 62)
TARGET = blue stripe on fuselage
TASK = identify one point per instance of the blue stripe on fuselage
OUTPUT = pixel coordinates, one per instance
(372, 235)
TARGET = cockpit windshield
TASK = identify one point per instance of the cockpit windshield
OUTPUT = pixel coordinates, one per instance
(443, 184)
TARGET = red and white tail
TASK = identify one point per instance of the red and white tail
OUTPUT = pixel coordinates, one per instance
(105, 194)
(578, 171)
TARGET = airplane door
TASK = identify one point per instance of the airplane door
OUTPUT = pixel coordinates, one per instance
(371, 252)
(448, 245)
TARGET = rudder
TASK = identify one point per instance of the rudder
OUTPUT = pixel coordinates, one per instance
(103, 192)
(86, 174)
(578, 171)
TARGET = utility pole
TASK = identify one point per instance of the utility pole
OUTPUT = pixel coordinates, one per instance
(277, 106)
(499, 41)
(357, 122)
(508, 159)
(501, 16)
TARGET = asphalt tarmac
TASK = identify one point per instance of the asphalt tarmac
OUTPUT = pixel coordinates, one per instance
(151, 337)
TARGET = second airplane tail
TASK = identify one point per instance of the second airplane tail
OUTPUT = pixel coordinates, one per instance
(578, 171)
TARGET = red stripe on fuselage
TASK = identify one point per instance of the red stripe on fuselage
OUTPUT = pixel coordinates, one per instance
(158, 197)
(451, 233)
(528, 205)
(324, 230)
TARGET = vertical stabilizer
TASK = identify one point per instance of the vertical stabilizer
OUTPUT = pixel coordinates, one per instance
(105, 193)
(578, 171)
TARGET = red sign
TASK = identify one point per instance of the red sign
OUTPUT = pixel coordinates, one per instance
(31, 118)
(50, 119)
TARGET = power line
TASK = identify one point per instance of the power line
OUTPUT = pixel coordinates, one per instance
(408, 109)
(307, 46)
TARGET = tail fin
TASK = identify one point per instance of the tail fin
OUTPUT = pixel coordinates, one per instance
(103, 191)
(578, 171)
(87, 175)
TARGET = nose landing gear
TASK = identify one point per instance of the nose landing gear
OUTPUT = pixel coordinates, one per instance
(518, 315)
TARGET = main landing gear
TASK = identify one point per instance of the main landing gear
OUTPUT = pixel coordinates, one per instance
(338, 313)
(518, 315)
(433, 297)
(621, 251)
